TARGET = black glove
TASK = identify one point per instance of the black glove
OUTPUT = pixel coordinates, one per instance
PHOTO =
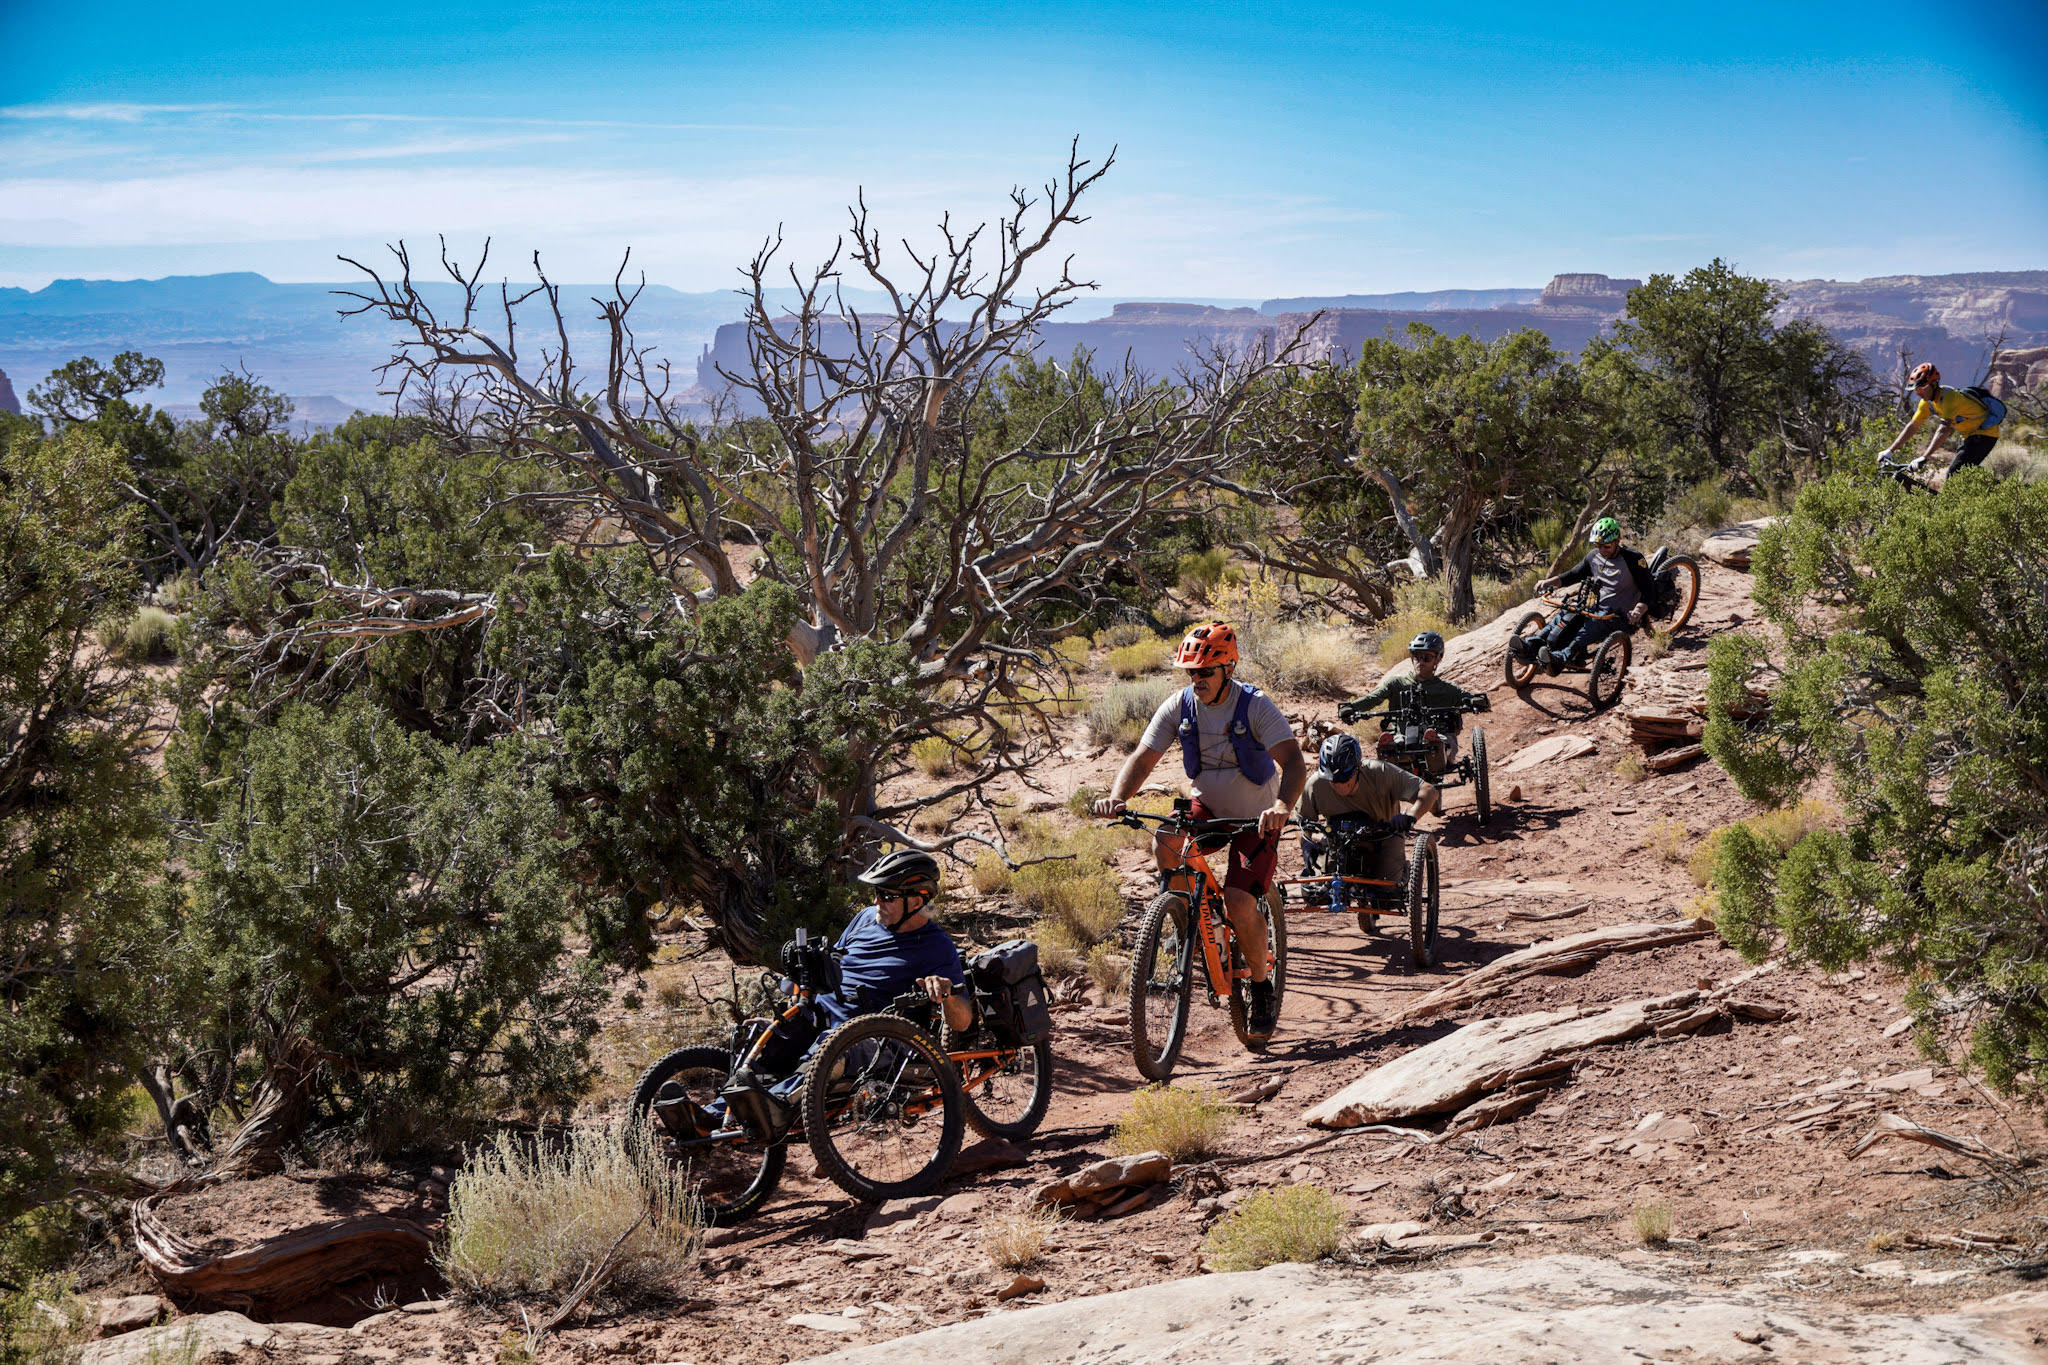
(1481, 702)
(1349, 711)
(1402, 822)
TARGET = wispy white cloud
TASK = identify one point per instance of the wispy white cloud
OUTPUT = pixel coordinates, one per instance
(109, 112)
(426, 147)
(117, 112)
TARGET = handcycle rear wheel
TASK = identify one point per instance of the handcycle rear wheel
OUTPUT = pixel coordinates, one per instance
(1684, 571)
(1482, 788)
(1011, 1103)
(1162, 981)
(1520, 671)
(866, 1109)
(1276, 958)
(1422, 904)
(1609, 668)
(732, 1179)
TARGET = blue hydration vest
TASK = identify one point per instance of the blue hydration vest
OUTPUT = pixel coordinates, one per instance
(1252, 760)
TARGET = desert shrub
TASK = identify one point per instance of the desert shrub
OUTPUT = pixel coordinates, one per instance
(1631, 769)
(1109, 967)
(934, 755)
(1079, 893)
(1072, 651)
(149, 636)
(1016, 1238)
(45, 1321)
(1779, 829)
(1671, 841)
(529, 1222)
(1421, 607)
(1060, 950)
(1081, 801)
(1199, 574)
(1651, 1223)
(1696, 513)
(1292, 1223)
(1121, 635)
(1656, 644)
(1303, 658)
(991, 874)
(2012, 461)
(1548, 534)
(1148, 655)
(1493, 597)
(1120, 714)
(1910, 671)
(1188, 1123)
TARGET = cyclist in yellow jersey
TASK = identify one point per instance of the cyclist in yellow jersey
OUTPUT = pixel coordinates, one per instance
(1957, 411)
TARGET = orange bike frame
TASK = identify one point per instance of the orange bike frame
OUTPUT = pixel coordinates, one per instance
(1215, 941)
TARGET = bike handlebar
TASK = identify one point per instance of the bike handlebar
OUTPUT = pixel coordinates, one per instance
(1187, 824)
(1579, 608)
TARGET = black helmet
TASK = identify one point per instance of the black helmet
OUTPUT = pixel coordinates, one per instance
(1340, 758)
(906, 872)
(1428, 642)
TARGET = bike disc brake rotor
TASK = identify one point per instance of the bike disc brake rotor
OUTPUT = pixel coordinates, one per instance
(890, 1127)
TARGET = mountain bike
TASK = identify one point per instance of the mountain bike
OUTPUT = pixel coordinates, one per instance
(882, 1101)
(1349, 845)
(1905, 472)
(1189, 911)
(1412, 739)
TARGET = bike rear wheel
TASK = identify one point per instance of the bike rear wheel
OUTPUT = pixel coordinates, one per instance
(1276, 958)
(1422, 904)
(1162, 980)
(1482, 787)
(1610, 665)
(731, 1179)
(1010, 1103)
(1520, 671)
(867, 1106)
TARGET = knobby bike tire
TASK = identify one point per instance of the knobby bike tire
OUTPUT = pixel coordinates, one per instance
(1482, 787)
(1011, 1103)
(1520, 672)
(732, 1180)
(1609, 670)
(1422, 904)
(1240, 996)
(1162, 1015)
(1687, 571)
(860, 1077)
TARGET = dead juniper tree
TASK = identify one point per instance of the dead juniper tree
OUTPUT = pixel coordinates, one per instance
(851, 464)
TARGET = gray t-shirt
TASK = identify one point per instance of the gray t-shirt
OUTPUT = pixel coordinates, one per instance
(1223, 789)
(1618, 594)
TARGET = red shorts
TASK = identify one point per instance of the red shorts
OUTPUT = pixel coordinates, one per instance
(1253, 856)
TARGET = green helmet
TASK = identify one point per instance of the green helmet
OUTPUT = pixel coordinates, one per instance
(1604, 530)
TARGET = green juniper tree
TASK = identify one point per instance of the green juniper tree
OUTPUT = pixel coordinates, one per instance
(1914, 673)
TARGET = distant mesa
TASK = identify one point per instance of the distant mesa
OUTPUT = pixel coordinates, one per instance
(8, 402)
(1603, 293)
(2011, 371)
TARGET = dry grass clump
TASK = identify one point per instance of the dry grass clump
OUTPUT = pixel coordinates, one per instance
(1493, 597)
(1671, 841)
(1200, 574)
(1072, 652)
(1292, 1223)
(1655, 644)
(1060, 950)
(532, 1222)
(149, 636)
(1147, 655)
(991, 874)
(1422, 608)
(45, 1319)
(1188, 1123)
(1631, 769)
(1109, 967)
(1651, 1223)
(1121, 634)
(1120, 714)
(1783, 828)
(934, 755)
(1015, 1238)
(1300, 658)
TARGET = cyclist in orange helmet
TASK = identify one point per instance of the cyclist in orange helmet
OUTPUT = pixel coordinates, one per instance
(1971, 414)
(1243, 762)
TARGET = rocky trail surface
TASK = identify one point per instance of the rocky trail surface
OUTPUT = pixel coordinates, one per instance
(1513, 1229)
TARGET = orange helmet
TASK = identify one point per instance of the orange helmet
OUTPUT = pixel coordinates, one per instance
(1925, 370)
(1206, 646)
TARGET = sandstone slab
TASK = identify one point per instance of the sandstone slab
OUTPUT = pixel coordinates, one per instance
(1733, 545)
(203, 1337)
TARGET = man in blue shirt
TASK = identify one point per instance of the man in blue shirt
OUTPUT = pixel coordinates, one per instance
(891, 948)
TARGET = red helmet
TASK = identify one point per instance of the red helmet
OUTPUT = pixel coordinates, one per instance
(1207, 646)
(1924, 371)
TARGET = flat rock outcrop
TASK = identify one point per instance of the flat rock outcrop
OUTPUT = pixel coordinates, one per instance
(1567, 1309)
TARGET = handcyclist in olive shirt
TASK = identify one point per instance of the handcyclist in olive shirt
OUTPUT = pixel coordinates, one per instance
(1397, 691)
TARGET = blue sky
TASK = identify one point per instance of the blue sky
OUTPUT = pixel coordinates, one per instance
(1262, 151)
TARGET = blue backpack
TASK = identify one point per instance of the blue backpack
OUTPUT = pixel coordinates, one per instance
(1994, 411)
(1252, 760)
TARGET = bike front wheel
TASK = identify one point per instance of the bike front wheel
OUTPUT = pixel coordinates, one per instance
(1609, 670)
(1422, 904)
(1276, 959)
(1482, 786)
(1162, 980)
(730, 1180)
(882, 1109)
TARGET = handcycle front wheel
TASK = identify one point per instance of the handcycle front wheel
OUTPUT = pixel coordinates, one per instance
(1276, 972)
(1423, 903)
(1010, 1102)
(1162, 981)
(867, 1109)
(731, 1179)
(1609, 669)
(1520, 671)
(1482, 787)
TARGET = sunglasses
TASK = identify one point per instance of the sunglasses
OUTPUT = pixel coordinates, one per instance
(1204, 672)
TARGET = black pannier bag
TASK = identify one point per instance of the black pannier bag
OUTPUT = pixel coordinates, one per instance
(1011, 993)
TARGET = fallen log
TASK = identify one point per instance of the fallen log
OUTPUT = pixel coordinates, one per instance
(280, 1271)
(1894, 1126)
(1673, 758)
(1557, 955)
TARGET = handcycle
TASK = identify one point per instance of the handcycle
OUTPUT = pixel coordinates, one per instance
(1675, 591)
(884, 1096)
(1347, 842)
(1411, 738)
(1188, 911)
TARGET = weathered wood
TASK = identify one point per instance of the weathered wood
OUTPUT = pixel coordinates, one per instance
(1894, 1126)
(1557, 955)
(1673, 758)
(278, 1271)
